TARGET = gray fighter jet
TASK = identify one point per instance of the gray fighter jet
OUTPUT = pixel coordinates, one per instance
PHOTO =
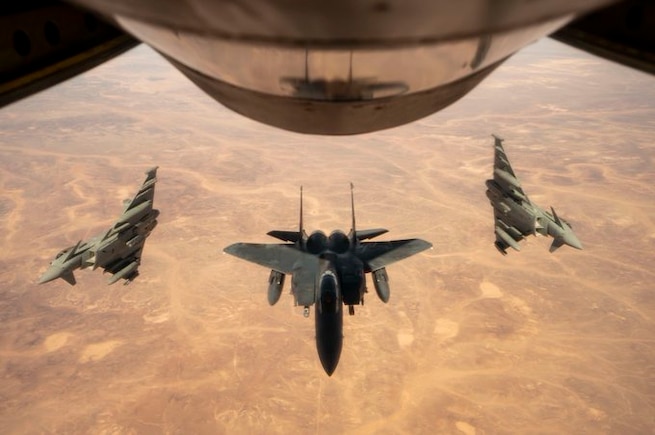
(118, 250)
(515, 216)
(328, 272)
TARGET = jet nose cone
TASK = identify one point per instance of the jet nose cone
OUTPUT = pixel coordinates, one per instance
(571, 240)
(329, 362)
(49, 275)
(329, 352)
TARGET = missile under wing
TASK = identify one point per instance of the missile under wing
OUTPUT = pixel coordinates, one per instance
(119, 249)
(515, 216)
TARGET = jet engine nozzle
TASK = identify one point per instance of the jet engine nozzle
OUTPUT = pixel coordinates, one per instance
(338, 242)
(317, 242)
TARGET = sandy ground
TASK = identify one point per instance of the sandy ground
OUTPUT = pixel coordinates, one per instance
(470, 343)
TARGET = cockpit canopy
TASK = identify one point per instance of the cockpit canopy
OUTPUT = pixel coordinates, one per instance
(64, 251)
(329, 299)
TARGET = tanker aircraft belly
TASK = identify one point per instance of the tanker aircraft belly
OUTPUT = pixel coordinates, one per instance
(328, 271)
(515, 216)
(118, 250)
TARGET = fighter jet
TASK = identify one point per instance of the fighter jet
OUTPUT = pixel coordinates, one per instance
(515, 215)
(328, 272)
(118, 250)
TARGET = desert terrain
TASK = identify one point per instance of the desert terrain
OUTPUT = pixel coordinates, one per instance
(471, 342)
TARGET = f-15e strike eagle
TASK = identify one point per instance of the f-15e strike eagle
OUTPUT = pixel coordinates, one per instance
(118, 250)
(515, 216)
(328, 272)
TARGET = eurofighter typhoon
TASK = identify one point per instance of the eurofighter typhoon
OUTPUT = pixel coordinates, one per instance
(328, 271)
(515, 216)
(118, 250)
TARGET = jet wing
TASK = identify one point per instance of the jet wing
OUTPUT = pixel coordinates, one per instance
(146, 192)
(282, 258)
(376, 255)
(504, 174)
(136, 207)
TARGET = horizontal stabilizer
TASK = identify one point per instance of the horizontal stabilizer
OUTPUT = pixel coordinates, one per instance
(286, 236)
(377, 255)
(369, 234)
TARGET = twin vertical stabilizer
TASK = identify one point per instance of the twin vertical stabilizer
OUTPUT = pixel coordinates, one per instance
(297, 237)
(353, 229)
